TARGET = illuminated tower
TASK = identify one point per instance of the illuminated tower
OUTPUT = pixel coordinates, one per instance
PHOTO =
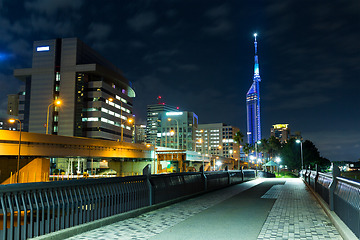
(253, 104)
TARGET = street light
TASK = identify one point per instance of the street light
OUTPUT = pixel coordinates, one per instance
(149, 145)
(57, 103)
(130, 120)
(177, 129)
(256, 144)
(278, 160)
(301, 153)
(18, 163)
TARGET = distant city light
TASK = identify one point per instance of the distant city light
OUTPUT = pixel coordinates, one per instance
(43, 49)
(174, 113)
(4, 56)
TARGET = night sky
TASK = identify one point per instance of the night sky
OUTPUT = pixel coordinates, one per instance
(199, 56)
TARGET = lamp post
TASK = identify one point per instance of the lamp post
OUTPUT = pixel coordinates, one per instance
(177, 129)
(301, 153)
(149, 145)
(130, 120)
(256, 153)
(18, 163)
(278, 160)
(58, 102)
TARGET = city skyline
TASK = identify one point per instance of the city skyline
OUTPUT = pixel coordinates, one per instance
(199, 57)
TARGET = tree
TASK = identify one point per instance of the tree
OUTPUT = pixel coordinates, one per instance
(239, 137)
(263, 146)
(247, 148)
(290, 154)
(312, 156)
(274, 146)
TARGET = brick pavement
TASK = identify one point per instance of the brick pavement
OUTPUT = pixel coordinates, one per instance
(295, 215)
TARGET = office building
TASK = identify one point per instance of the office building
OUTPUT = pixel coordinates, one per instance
(281, 132)
(177, 130)
(253, 104)
(96, 99)
(153, 113)
(217, 139)
(140, 133)
(13, 104)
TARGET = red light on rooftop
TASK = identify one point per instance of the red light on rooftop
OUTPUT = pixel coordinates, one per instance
(177, 107)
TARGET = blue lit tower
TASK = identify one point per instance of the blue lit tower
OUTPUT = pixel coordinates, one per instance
(253, 104)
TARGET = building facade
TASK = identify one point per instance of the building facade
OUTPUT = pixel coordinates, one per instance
(253, 104)
(177, 130)
(96, 99)
(140, 133)
(217, 139)
(153, 113)
(281, 132)
(13, 105)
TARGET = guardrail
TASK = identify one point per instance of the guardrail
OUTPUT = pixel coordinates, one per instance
(33, 209)
(340, 193)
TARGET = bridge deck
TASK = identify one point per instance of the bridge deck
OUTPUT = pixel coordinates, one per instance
(259, 209)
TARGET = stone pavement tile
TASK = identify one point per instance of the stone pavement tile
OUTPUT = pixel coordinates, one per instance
(152, 223)
(298, 213)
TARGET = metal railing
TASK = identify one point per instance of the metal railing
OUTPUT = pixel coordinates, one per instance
(340, 193)
(33, 209)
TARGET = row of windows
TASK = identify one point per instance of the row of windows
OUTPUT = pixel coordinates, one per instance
(95, 119)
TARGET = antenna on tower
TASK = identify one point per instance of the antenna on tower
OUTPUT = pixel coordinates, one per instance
(159, 100)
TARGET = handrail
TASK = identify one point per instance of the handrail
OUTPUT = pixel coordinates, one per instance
(349, 181)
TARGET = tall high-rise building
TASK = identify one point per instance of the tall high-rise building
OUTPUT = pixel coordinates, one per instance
(96, 99)
(217, 139)
(153, 113)
(253, 104)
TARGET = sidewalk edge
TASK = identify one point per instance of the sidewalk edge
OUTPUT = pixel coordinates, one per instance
(342, 228)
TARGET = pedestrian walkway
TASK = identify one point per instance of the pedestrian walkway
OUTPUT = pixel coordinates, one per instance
(260, 209)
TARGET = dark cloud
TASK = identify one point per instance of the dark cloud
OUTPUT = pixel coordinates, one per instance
(52, 7)
(141, 21)
(136, 44)
(98, 31)
(219, 27)
(188, 67)
(219, 11)
(160, 56)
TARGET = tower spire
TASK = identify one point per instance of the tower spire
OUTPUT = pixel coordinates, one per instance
(256, 65)
(253, 104)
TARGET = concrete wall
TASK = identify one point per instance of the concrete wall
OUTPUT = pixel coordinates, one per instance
(31, 170)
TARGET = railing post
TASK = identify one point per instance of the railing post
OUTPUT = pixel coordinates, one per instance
(147, 173)
(335, 173)
(229, 177)
(242, 174)
(316, 177)
(205, 181)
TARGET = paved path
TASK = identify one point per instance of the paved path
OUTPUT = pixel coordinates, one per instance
(261, 209)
